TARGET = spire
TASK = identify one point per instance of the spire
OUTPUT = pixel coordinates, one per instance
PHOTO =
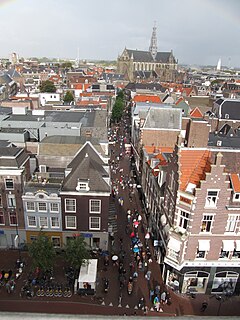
(153, 44)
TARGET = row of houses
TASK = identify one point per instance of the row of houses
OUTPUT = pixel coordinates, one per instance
(57, 182)
(188, 165)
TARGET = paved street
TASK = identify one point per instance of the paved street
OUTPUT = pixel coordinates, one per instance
(117, 301)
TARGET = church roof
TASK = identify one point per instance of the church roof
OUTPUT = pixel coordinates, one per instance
(145, 56)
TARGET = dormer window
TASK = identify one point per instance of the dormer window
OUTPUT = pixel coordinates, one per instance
(82, 186)
(236, 196)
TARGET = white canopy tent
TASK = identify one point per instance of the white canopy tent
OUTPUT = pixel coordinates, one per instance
(88, 274)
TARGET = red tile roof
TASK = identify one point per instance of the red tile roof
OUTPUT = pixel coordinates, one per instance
(193, 166)
(196, 113)
(235, 182)
(145, 98)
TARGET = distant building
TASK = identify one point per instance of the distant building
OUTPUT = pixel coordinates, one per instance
(135, 64)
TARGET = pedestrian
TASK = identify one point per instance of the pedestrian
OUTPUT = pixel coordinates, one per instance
(151, 294)
(163, 297)
(204, 306)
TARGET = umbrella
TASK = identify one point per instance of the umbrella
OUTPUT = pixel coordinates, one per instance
(147, 236)
(135, 223)
(136, 249)
(114, 258)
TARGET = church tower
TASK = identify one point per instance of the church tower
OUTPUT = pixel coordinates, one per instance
(153, 44)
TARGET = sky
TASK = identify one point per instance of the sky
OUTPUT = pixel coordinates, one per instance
(198, 31)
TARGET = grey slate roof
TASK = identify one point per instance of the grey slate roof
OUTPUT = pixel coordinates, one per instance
(66, 145)
(4, 78)
(12, 157)
(153, 86)
(87, 165)
(145, 56)
(231, 108)
(164, 118)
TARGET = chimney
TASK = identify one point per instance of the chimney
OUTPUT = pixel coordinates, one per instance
(218, 159)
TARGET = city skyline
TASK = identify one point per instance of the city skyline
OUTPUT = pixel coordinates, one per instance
(198, 32)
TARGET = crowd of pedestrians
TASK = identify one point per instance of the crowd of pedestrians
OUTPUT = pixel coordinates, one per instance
(125, 192)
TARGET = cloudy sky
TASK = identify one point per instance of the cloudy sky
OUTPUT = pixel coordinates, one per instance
(198, 31)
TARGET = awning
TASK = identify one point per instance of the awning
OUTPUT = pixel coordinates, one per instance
(228, 245)
(203, 245)
(174, 244)
(237, 245)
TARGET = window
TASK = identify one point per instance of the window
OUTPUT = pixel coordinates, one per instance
(33, 238)
(173, 254)
(211, 200)
(43, 222)
(30, 206)
(224, 254)
(94, 223)
(54, 207)
(56, 242)
(71, 222)
(236, 197)
(2, 222)
(183, 220)
(207, 223)
(11, 200)
(42, 206)
(81, 186)
(9, 184)
(0, 201)
(32, 222)
(12, 218)
(55, 222)
(95, 206)
(232, 223)
(200, 254)
(70, 205)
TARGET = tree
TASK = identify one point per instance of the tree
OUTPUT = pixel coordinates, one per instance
(48, 86)
(68, 97)
(67, 65)
(118, 107)
(42, 252)
(76, 252)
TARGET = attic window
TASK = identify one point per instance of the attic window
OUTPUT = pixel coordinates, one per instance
(219, 143)
(82, 186)
(236, 196)
(226, 116)
(190, 187)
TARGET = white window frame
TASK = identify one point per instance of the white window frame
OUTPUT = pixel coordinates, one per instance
(198, 253)
(42, 202)
(233, 223)
(75, 222)
(210, 203)
(182, 219)
(51, 207)
(5, 180)
(11, 200)
(90, 206)
(58, 220)
(234, 197)
(30, 210)
(91, 222)
(70, 199)
(31, 225)
(46, 219)
(212, 220)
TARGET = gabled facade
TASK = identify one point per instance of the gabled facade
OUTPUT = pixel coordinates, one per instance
(200, 229)
(85, 195)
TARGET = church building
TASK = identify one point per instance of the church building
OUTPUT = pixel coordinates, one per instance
(135, 64)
